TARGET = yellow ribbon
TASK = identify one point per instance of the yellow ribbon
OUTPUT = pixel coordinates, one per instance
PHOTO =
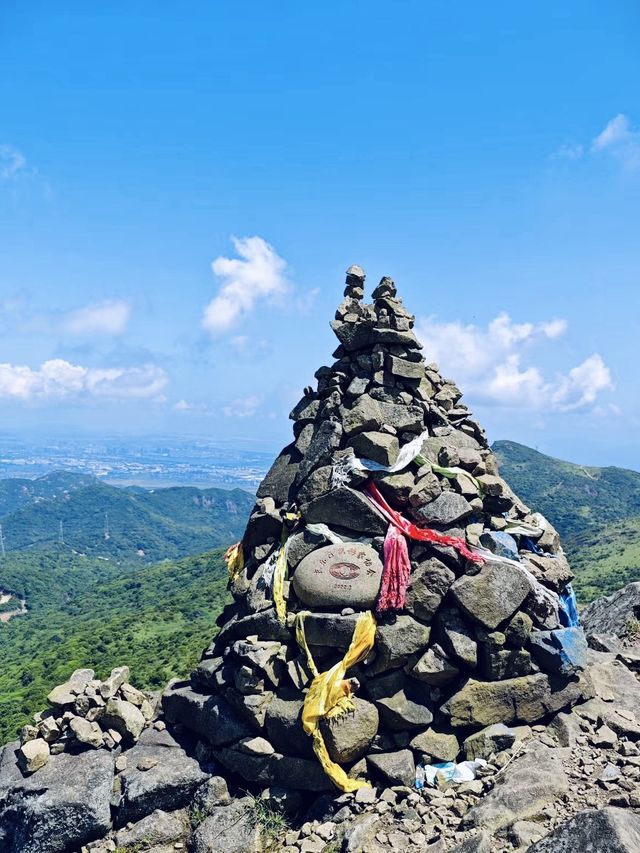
(330, 694)
(280, 571)
(234, 557)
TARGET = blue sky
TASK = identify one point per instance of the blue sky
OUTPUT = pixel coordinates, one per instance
(183, 185)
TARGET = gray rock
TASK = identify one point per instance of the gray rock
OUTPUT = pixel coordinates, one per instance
(396, 641)
(525, 699)
(344, 507)
(65, 694)
(360, 833)
(378, 446)
(330, 629)
(211, 717)
(435, 668)
(325, 440)
(169, 784)
(429, 583)
(500, 543)
(495, 738)
(124, 718)
(159, 827)
(608, 830)
(518, 631)
(369, 414)
(86, 732)
(61, 807)
(33, 755)
(439, 746)
(230, 828)
(214, 792)
(611, 615)
(398, 768)
(444, 511)
(456, 637)
(563, 651)
(348, 736)
(413, 370)
(493, 595)
(401, 712)
(118, 677)
(339, 575)
(522, 790)
(283, 726)
(396, 488)
(280, 476)
(479, 843)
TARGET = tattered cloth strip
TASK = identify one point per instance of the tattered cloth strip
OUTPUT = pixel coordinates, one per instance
(408, 453)
(420, 534)
(330, 694)
(280, 569)
(396, 573)
(450, 473)
(569, 615)
(234, 558)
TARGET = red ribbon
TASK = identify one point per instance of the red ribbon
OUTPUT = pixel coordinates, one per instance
(420, 534)
(396, 574)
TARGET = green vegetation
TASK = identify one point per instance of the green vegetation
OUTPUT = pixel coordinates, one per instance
(123, 524)
(574, 498)
(272, 822)
(596, 511)
(605, 560)
(87, 612)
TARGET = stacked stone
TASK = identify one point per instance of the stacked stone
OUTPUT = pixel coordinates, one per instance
(476, 645)
(86, 713)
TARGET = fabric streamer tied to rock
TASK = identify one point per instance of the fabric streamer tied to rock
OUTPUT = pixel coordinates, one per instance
(330, 694)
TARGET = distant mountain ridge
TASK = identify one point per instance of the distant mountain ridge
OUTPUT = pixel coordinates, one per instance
(574, 497)
(96, 519)
(596, 511)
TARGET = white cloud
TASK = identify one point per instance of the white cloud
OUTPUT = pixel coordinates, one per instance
(243, 407)
(618, 139)
(108, 318)
(488, 364)
(569, 151)
(57, 379)
(12, 162)
(258, 273)
(182, 406)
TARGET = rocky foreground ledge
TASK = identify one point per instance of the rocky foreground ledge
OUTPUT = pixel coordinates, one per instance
(570, 784)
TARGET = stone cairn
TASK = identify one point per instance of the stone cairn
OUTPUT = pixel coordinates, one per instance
(86, 713)
(472, 614)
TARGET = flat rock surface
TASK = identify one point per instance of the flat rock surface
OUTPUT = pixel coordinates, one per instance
(168, 784)
(339, 576)
(608, 830)
(62, 806)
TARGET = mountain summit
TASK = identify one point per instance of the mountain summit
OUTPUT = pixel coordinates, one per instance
(391, 593)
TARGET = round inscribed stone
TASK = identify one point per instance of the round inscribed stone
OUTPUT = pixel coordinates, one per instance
(346, 575)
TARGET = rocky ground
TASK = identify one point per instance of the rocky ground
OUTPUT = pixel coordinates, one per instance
(157, 795)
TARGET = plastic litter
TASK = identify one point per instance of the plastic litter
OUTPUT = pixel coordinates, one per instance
(448, 771)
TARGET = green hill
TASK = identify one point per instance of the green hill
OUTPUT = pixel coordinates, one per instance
(573, 497)
(96, 519)
(596, 511)
(87, 612)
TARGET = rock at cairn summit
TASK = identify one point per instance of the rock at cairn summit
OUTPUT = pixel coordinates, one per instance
(388, 503)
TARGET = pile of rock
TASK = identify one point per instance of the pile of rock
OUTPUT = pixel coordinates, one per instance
(86, 713)
(475, 645)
